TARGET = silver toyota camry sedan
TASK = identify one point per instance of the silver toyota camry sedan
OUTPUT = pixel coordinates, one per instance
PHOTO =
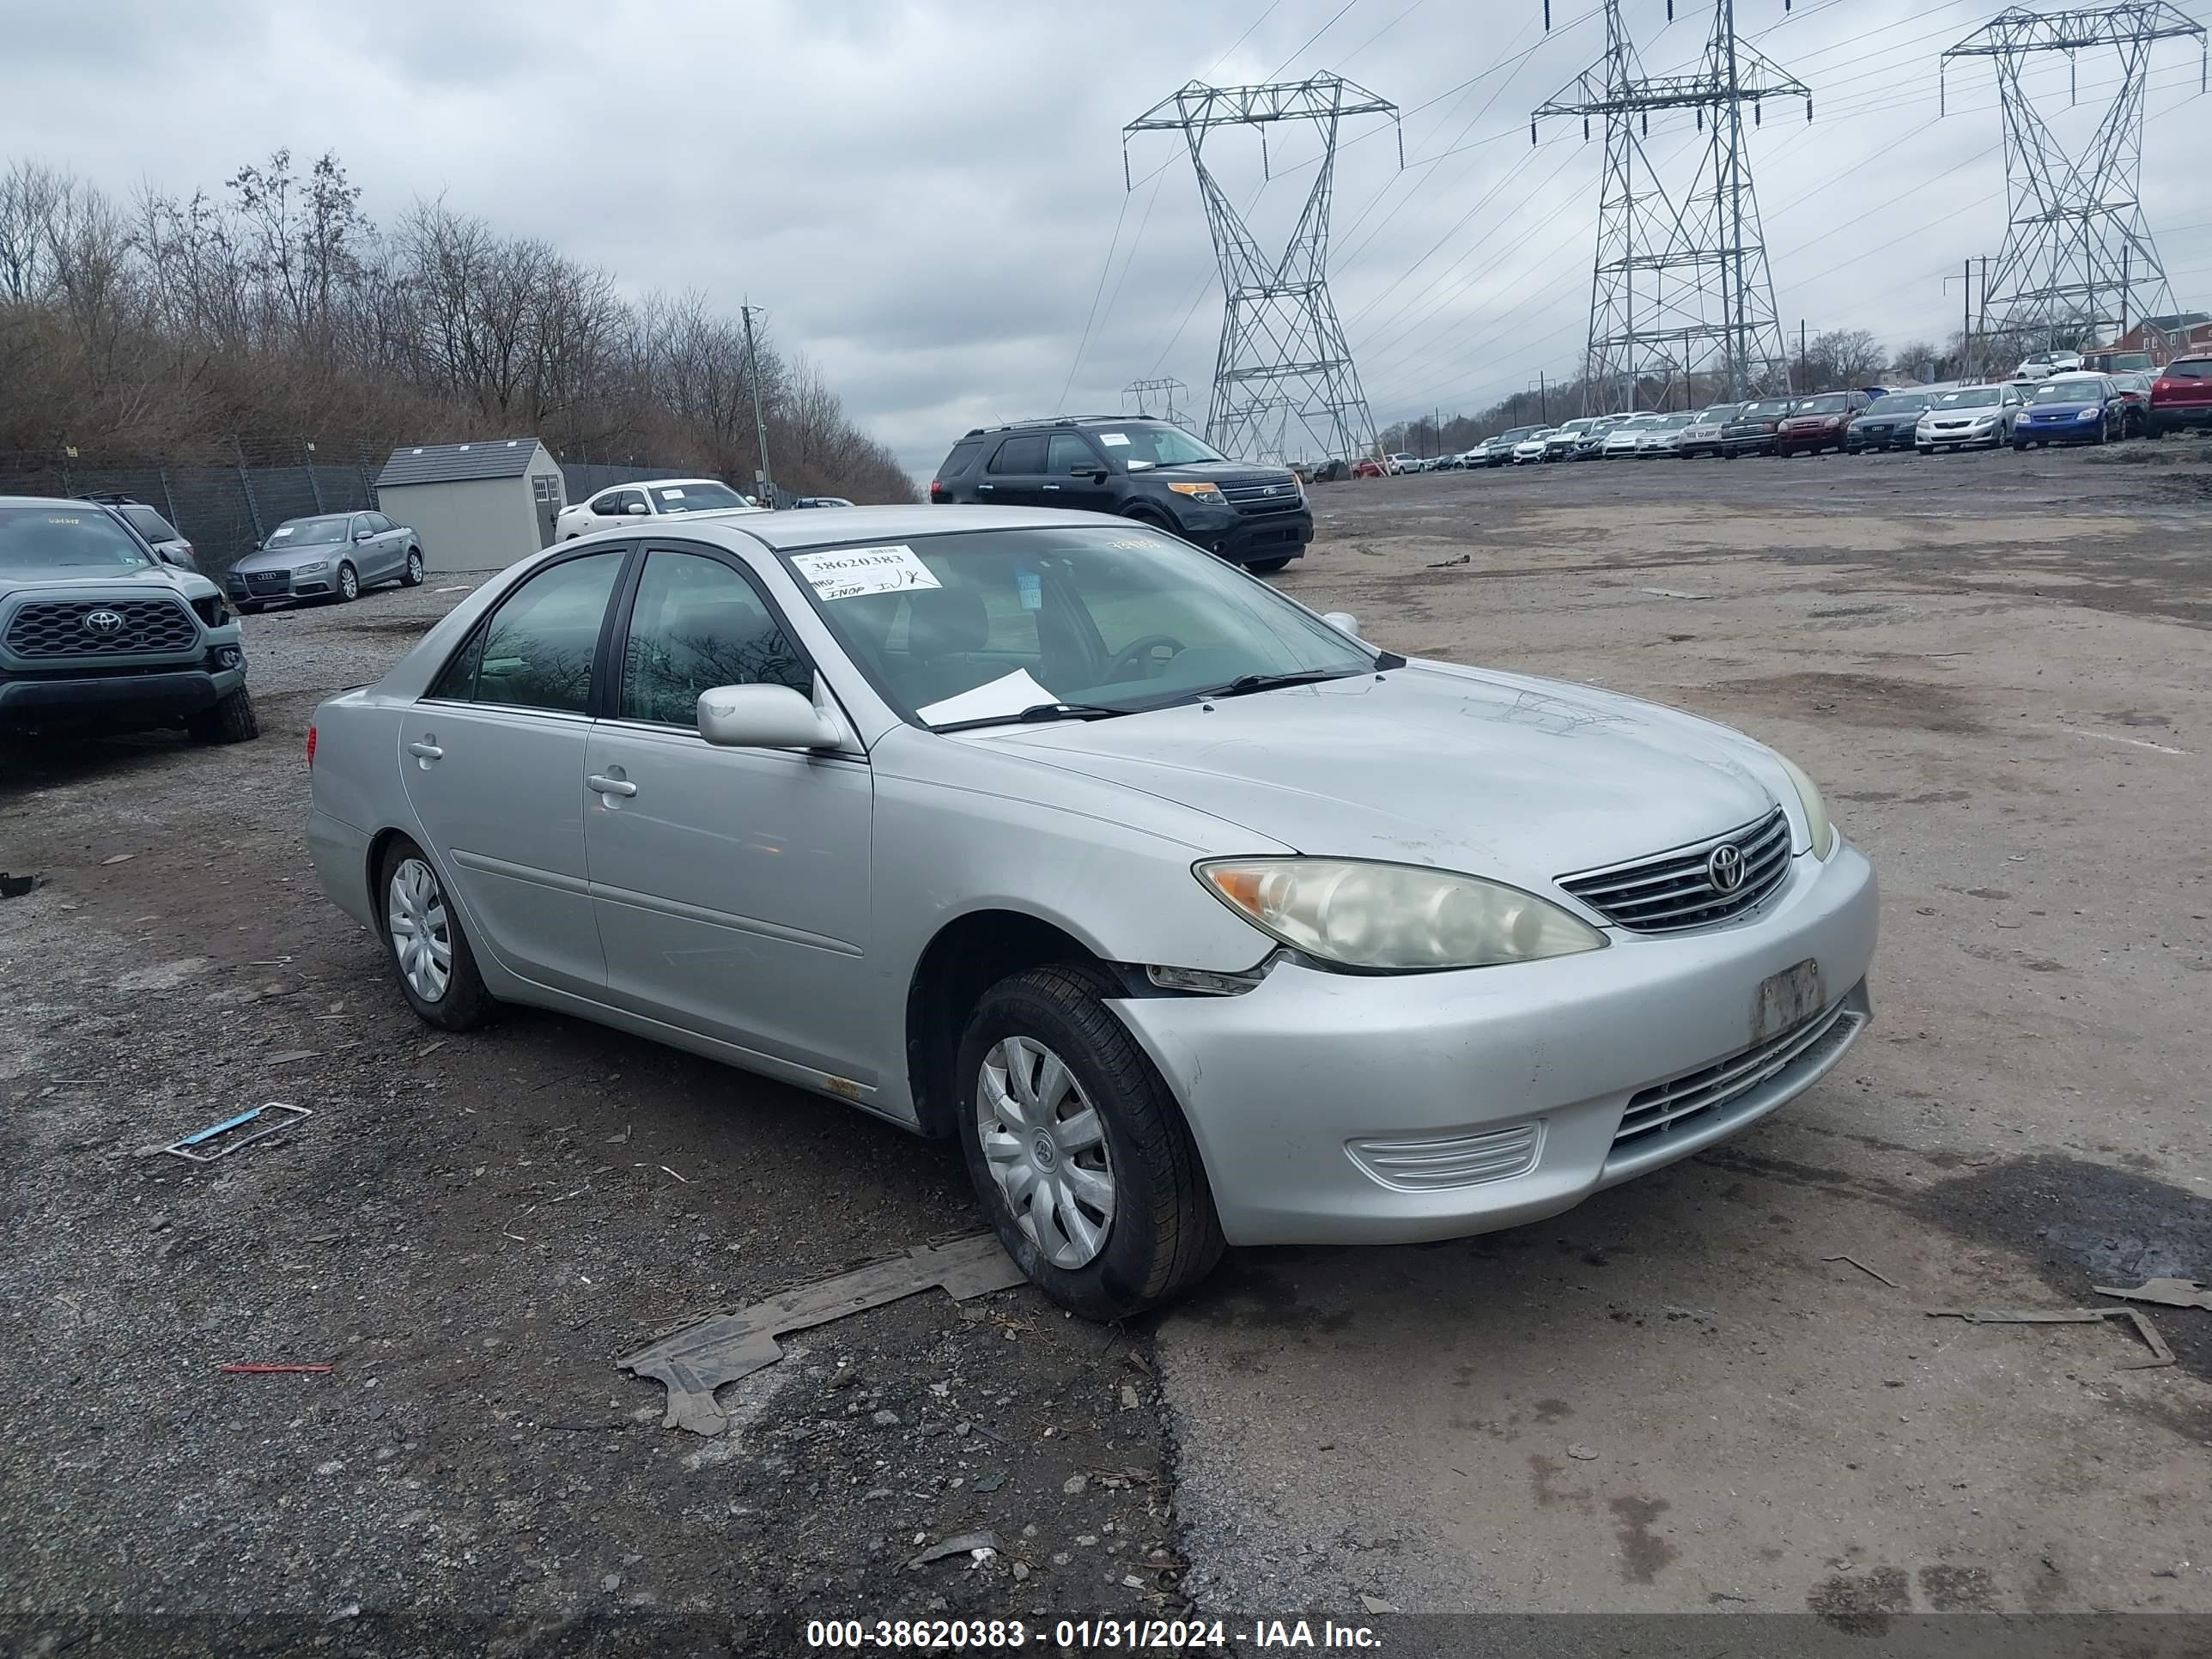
(1196, 918)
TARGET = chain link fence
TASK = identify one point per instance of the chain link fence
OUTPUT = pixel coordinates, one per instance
(226, 510)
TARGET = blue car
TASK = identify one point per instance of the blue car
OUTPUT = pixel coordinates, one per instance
(2073, 408)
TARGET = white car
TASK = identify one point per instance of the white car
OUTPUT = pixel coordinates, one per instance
(2042, 365)
(1663, 436)
(1628, 437)
(656, 498)
(1404, 461)
(1531, 448)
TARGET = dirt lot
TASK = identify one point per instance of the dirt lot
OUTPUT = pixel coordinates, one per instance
(1673, 1398)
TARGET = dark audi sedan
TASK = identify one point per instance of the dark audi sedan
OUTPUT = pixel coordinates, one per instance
(1886, 423)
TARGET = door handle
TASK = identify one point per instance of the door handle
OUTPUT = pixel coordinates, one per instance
(1052, 486)
(987, 486)
(423, 749)
(607, 786)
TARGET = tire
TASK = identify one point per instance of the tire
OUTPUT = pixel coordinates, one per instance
(348, 587)
(461, 1003)
(412, 576)
(1162, 1235)
(231, 721)
(1268, 567)
(1925, 449)
(2018, 447)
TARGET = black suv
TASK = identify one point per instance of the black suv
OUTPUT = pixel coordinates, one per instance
(1150, 471)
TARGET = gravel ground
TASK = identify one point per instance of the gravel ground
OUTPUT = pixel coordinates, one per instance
(1998, 664)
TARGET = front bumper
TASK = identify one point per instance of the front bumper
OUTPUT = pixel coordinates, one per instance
(1247, 537)
(276, 587)
(1961, 437)
(1823, 437)
(2057, 432)
(1278, 1084)
(124, 701)
(1748, 443)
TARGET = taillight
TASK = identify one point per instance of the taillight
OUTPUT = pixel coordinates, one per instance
(938, 492)
(310, 748)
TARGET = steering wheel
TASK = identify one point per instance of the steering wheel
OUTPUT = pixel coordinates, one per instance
(1127, 656)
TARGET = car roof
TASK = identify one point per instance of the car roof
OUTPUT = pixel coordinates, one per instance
(1045, 423)
(840, 527)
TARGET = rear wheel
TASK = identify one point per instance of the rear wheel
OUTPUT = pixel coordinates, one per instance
(231, 721)
(430, 953)
(1077, 1149)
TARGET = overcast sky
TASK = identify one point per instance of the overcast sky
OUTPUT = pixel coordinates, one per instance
(924, 194)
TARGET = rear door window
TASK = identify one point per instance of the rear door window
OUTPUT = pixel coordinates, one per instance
(537, 650)
(1023, 455)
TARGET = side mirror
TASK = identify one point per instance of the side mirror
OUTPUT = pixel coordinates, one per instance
(1343, 622)
(764, 717)
(362, 535)
(635, 509)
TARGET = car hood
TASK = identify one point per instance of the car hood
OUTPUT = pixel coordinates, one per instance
(189, 584)
(2071, 406)
(1228, 471)
(1494, 773)
(288, 558)
(1834, 418)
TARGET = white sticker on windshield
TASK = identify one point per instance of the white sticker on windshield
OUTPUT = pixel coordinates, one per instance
(1008, 695)
(280, 533)
(671, 495)
(1116, 439)
(855, 571)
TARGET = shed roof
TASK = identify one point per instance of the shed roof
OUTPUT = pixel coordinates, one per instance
(485, 458)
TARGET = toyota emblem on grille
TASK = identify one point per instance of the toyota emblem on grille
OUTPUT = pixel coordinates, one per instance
(102, 622)
(1724, 869)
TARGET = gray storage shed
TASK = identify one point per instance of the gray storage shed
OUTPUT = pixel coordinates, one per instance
(475, 506)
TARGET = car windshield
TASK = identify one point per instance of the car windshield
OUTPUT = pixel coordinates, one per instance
(1834, 402)
(1899, 402)
(981, 628)
(1672, 423)
(2066, 392)
(1637, 423)
(1972, 396)
(1771, 406)
(696, 497)
(1718, 412)
(1142, 445)
(1517, 434)
(311, 532)
(65, 536)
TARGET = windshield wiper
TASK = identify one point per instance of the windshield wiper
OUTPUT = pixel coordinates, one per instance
(1038, 712)
(1243, 685)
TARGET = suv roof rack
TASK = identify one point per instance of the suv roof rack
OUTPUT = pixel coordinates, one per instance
(1047, 421)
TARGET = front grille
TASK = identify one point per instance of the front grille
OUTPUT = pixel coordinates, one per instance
(1432, 1163)
(53, 628)
(1665, 1107)
(1676, 889)
(268, 582)
(1264, 497)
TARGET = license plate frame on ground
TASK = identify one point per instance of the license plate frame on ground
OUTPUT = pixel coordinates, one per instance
(1787, 1000)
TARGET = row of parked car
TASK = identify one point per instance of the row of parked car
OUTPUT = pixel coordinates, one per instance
(2050, 404)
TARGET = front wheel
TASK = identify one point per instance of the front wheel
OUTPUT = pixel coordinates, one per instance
(412, 576)
(437, 970)
(231, 721)
(1077, 1149)
(1268, 567)
(348, 584)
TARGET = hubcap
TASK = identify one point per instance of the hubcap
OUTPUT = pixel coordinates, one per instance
(421, 938)
(348, 584)
(413, 566)
(1045, 1149)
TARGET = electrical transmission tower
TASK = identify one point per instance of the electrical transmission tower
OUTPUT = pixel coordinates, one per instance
(2077, 246)
(1681, 292)
(1141, 393)
(1283, 357)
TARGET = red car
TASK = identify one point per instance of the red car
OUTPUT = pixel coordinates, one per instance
(1367, 469)
(2181, 395)
(1819, 423)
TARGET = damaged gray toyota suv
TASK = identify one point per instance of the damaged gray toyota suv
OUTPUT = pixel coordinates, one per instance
(1196, 918)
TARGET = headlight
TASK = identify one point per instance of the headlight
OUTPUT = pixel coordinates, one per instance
(311, 567)
(1822, 832)
(2088, 413)
(1210, 493)
(1395, 918)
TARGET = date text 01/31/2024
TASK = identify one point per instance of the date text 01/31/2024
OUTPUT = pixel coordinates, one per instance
(1086, 1635)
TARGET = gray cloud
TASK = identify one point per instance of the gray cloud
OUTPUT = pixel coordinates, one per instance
(923, 194)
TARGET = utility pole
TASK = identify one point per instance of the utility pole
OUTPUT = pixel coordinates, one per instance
(1681, 285)
(1543, 399)
(765, 480)
(1804, 358)
(1966, 322)
(1283, 352)
(2074, 219)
